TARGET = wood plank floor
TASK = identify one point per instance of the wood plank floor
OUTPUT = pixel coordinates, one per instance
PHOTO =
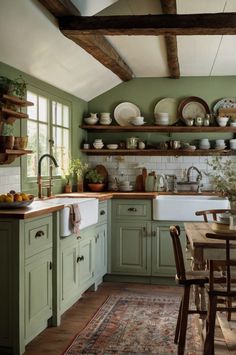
(54, 340)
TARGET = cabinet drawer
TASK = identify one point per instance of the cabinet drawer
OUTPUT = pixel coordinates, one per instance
(140, 209)
(102, 212)
(38, 235)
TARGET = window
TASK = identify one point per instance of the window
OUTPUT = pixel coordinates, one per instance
(48, 130)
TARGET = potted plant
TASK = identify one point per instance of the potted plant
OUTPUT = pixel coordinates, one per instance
(223, 178)
(95, 180)
(78, 168)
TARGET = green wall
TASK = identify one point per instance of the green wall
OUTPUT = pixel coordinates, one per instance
(79, 107)
(146, 92)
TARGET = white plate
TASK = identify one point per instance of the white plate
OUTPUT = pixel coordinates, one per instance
(169, 105)
(227, 102)
(124, 112)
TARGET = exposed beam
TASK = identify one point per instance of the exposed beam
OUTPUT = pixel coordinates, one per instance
(60, 8)
(169, 7)
(153, 25)
(97, 45)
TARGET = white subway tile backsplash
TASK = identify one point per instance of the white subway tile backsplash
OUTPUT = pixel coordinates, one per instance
(131, 166)
(9, 179)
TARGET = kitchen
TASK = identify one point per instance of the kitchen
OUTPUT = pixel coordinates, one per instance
(51, 68)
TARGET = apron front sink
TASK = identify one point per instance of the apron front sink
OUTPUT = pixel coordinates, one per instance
(183, 207)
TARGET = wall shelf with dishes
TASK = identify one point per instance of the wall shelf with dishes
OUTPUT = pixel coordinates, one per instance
(10, 110)
(147, 128)
(158, 152)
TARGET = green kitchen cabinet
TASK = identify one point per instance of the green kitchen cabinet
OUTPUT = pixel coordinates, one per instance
(140, 246)
(38, 293)
(69, 272)
(101, 241)
(163, 262)
(100, 252)
(130, 248)
(86, 258)
(26, 280)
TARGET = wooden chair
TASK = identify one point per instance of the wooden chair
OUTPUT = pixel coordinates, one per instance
(223, 288)
(214, 214)
(185, 279)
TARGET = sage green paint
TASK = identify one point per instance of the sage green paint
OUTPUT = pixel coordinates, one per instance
(79, 107)
(146, 92)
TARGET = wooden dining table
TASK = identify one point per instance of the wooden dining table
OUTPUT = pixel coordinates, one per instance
(202, 248)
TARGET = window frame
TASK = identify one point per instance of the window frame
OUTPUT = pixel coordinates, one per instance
(27, 181)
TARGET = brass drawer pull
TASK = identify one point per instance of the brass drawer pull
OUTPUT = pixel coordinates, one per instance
(102, 213)
(80, 258)
(39, 234)
(132, 209)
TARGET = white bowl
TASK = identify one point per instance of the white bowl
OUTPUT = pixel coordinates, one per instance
(98, 146)
(105, 122)
(233, 124)
(112, 146)
(91, 120)
(162, 121)
(222, 121)
(137, 121)
(205, 146)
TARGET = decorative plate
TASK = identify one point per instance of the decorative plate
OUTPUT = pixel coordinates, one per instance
(169, 105)
(124, 112)
(16, 204)
(192, 107)
(228, 102)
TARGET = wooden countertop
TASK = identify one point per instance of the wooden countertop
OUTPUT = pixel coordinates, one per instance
(39, 208)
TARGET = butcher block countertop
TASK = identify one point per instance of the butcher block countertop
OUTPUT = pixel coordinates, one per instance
(39, 208)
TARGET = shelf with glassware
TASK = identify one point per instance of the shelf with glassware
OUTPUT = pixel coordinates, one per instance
(12, 147)
(147, 128)
(157, 152)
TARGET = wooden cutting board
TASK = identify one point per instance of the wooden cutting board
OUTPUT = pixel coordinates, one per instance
(101, 169)
(139, 186)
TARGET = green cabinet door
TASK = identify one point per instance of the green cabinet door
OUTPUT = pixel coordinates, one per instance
(69, 290)
(85, 259)
(38, 293)
(130, 246)
(163, 262)
(100, 251)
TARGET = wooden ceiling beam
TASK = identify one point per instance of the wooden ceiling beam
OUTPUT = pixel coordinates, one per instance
(151, 25)
(169, 7)
(95, 44)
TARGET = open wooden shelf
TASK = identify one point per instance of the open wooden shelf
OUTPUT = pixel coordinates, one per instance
(157, 152)
(10, 155)
(146, 128)
(13, 113)
(16, 100)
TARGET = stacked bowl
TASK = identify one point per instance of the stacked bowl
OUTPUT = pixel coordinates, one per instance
(162, 118)
(98, 144)
(232, 143)
(204, 143)
(220, 144)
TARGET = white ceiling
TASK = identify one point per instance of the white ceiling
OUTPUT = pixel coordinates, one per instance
(30, 41)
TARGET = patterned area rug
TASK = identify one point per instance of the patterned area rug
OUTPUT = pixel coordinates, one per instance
(134, 324)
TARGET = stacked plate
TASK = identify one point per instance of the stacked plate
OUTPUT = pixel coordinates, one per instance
(98, 144)
(125, 186)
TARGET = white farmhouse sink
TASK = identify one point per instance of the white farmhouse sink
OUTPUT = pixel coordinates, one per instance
(183, 207)
(88, 210)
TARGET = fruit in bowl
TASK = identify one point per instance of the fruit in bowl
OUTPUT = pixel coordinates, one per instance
(15, 199)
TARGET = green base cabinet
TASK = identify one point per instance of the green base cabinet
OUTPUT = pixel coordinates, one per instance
(100, 266)
(86, 259)
(163, 261)
(26, 280)
(140, 246)
(38, 293)
(130, 248)
(69, 272)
